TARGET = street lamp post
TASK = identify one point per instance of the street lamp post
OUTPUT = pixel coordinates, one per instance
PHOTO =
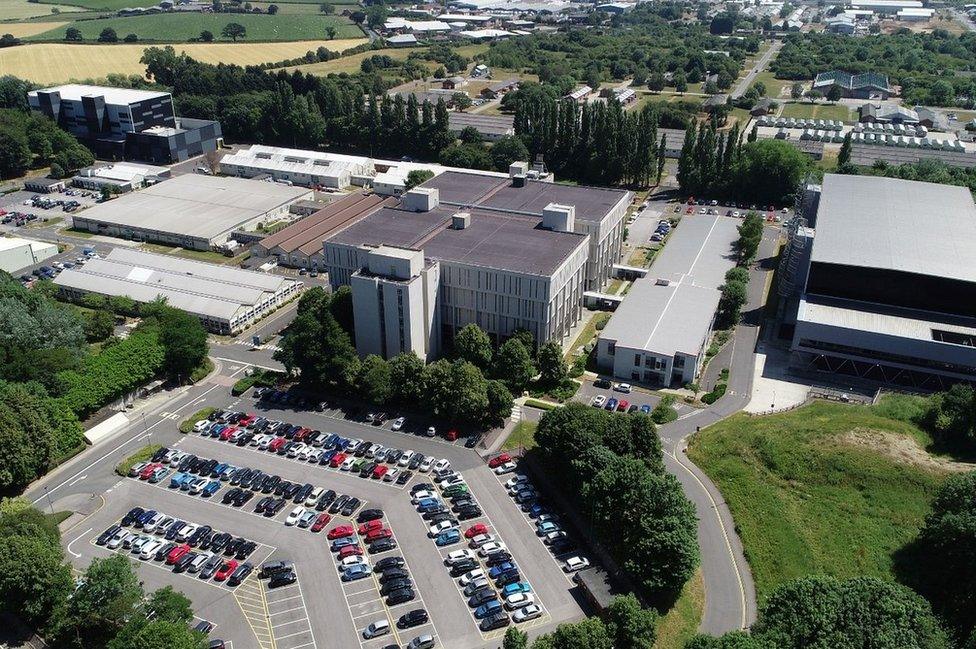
(48, 496)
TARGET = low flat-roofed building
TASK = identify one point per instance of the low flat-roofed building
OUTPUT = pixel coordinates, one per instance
(298, 166)
(499, 88)
(300, 244)
(491, 127)
(226, 299)
(890, 288)
(486, 34)
(659, 334)
(867, 85)
(119, 176)
(192, 211)
(44, 184)
(16, 254)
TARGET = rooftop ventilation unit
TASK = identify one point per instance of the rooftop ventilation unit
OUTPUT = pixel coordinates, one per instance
(461, 220)
(518, 171)
(660, 281)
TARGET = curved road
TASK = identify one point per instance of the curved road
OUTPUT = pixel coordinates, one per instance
(730, 596)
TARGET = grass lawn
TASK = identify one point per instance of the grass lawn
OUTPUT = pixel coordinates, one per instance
(21, 9)
(523, 435)
(110, 5)
(829, 160)
(775, 88)
(179, 27)
(817, 111)
(679, 624)
(664, 97)
(588, 333)
(351, 63)
(811, 492)
(59, 62)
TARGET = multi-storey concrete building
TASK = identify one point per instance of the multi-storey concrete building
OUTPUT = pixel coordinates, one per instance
(503, 253)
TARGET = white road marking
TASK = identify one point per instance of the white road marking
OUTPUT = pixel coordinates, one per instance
(75, 554)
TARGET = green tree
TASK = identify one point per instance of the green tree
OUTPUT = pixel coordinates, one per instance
(57, 171)
(499, 403)
(15, 153)
(796, 91)
(844, 157)
(552, 365)
(507, 150)
(750, 235)
(513, 365)
(131, 38)
(406, 378)
(418, 177)
(834, 94)
(206, 36)
(630, 625)
(108, 35)
(734, 296)
(737, 274)
(99, 325)
(374, 379)
(769, 172)
(515, 639)
(109, 595)
(473, 345)
(589, 633)
(183, 338)
(272, 9)
(73, 34)
(327, 8)
(234, 31)
(461, 101)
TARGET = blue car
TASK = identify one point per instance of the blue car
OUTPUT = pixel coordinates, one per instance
(537, 510)
(176, 481)
(353, 573)
(517, 587)
(646, 409)
(338, 544)
(541, 529)
(146, 517)
(448, 537)
(216, 430)
(488, 608)
(499, 569)
(428, 504)
(212, 487)
(611, 404)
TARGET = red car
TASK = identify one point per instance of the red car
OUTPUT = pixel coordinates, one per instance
(380, 471)
(149, 470)
(349, 551)
(499, 460)
(321, 522)
(623, 405)
(246, 421)
(691, 200)
(451, 435)
(302, 432)
(177, 553)
(340, 532)
(227, 432)
(475, 530)
(690, 210)
(276, 444)
(337, 459)
(226, 570)
(369, 526)
(382, 533)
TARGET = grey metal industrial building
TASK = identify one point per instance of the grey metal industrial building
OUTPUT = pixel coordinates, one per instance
(503, 253)
(226, 299)
(192, 211)
(887, 282)
(491, 127)
(659, 333)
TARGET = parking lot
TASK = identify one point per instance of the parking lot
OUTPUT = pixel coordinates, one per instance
(321, 609)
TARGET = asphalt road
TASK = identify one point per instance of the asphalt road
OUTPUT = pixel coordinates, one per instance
(761, 64)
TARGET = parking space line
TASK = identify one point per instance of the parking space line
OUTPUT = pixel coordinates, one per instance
(276, 626)
(287, 610)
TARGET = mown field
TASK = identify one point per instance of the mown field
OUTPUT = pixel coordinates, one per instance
(22, 30)
(818, 111)
(111, 5)
(181, 27)
(60, 62)
(353, 62)
(21, 9)
(819, 490)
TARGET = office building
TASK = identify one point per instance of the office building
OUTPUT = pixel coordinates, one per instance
(226, 299)
(122, 123)
(888, 277)
(192, 211)
(300, 167)
(659, 333)
(505, 253)
(16, 254)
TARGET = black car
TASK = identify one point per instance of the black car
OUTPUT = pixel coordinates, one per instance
(231, 495)
(270, 484)
(262, 504)
(245, 549)
(282, 579)
(437, 511)
(468, 513)
(393, 456)
(482, 595)
(206, 539)
(507, 577)
(210, 566)
(388, 563)
(220, 542)
(414, 618)
(498, 559)
(564, 544)
(242, 498)
(338, 504)
(393, 574)
(232, 545)
(272, 510)
(132, 516)
(163, 551)
(238, 475)
(197, 535)
(443, 516)
(395, 585)
(351, 505)
(369, 515)
(367, 469)
(471, 442)
(496, 621)
(415, 461)
(240, 574)
(291, 491)
(107, 534)
(280, 488)
(381, 545)
(463, 566)
(184, 562)
(423, 486)
(158, 455)
(404, 477)
(400, 596)
(271, 568)
(173, 530)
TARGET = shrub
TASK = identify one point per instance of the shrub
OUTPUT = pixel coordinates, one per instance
(541, 405)
(186, 426)
(142, 455)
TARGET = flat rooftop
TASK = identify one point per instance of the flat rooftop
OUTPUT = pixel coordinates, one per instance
(307, 234)
(899, 225)
(195, 205)
(490, 124)
(196, 287)
(673, 317)
(493, 240)
(75, 91)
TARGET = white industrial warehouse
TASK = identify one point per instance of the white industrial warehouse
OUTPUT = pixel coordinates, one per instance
(16, 254)
(308, 168)
(226, 299)
(192, 211)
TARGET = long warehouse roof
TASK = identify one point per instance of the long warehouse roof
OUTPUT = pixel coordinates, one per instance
(898, 225)
(314, 228)
(196, 287)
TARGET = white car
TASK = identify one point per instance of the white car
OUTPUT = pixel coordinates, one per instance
(314, 454)
(398, 423)
(187, 531)
(139, 544)
(475, 586)
(458, 555)
(468, 577)
(197, 485)
(257, 440)
(376, 629)
(502, 469)
(622, 387)
(153, 523)
(201, 426)
(177, 458)
(296, 449)
(373, 450)
(481, 539)
(450, 481)
(441, 465)
(405, 458)
(149, 550)
(347, 463)
(437, 528)
(295, 515)
(431, 432)
(552, 537)
(353, 445)
(421, 495)
(391, 475)
(598, 401)
(519, 600)
(426, 465)
(575, 563)
(526, 613)
(117, 539)
(354, 560)
(516, 480)
(314, 496)
(491, 548)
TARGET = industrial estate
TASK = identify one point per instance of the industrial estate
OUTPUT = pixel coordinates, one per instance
(526, 324)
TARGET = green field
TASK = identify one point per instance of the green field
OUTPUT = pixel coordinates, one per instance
(181, 27)
(818, 111)
(113, 5)
(21, 9)
(819, 489)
